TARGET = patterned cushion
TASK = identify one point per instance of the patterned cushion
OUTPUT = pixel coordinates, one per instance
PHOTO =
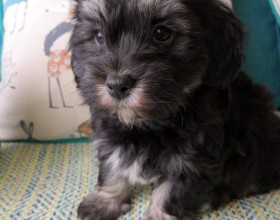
(38, 97)
(1, 34)
(39, 181)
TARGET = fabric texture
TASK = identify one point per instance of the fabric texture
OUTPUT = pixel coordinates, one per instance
(262, 58)
(40, 181)
(38, 95)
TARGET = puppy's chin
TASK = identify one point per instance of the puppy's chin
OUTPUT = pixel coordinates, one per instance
(127, 116)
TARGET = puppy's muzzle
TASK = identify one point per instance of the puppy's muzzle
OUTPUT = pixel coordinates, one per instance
(119, 87)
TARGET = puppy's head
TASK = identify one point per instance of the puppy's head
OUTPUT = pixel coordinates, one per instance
(137, 59)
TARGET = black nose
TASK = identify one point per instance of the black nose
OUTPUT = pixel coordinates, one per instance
(119, 87)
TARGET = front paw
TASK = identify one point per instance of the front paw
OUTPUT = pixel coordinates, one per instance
(97, 207)
(158, 214)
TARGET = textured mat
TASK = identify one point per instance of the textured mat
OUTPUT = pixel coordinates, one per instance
(39, 181)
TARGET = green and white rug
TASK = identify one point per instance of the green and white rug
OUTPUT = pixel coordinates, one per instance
(47, 182)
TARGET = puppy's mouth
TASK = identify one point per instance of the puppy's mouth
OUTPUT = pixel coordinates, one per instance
(127, 109)
(142, 104)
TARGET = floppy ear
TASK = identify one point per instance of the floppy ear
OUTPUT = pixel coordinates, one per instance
(225, 40)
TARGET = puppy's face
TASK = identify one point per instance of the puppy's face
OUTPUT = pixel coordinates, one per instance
(139, 59)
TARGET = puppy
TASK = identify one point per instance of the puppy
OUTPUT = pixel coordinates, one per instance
(170, 104)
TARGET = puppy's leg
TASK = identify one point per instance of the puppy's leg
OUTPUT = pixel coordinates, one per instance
(108, 201)
(160, 198)
(178, 200)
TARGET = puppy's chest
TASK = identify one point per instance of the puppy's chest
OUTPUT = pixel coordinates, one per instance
(136, 174)
(143, 160)
(147, 167)
(134, 168)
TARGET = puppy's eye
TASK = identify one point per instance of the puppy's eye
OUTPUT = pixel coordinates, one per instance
(162, 33)
(99, 37)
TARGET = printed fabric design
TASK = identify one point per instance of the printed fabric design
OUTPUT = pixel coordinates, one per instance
(9, 71)
(20, 9)
(59, 61)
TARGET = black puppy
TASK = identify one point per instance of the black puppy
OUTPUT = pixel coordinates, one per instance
(170, 104)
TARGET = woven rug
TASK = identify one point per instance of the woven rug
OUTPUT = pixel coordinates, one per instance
(47, 181)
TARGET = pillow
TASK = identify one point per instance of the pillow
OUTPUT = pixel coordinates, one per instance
(38, 97)
(275, 6)
(1, 35)
(263, 51)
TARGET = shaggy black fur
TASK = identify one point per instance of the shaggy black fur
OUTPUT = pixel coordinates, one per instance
(193, 119)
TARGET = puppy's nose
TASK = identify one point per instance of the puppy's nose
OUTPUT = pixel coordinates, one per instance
(119, 87)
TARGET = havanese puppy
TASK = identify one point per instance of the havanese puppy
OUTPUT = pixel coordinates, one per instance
(170, 104)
